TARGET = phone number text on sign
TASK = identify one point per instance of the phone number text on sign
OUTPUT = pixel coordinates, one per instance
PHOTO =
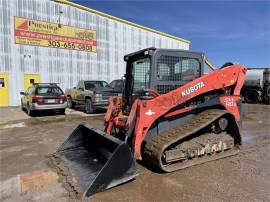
(39, 33)
(59, 44)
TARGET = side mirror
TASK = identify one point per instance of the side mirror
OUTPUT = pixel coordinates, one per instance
(81, 89)
(22, 93)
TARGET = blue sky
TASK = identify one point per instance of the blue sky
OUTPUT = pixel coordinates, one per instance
(237, 31)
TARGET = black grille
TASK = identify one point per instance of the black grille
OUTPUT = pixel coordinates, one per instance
(106, 96)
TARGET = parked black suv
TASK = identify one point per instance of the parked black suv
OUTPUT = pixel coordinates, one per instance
(117, 85)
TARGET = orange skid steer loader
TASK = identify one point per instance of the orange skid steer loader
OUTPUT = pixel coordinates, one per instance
(171, 116)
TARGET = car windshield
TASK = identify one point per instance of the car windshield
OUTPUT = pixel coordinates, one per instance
(48, 90)
(116, 84)
(89, 85)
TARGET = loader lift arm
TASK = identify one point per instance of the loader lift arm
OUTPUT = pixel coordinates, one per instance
(209, 63)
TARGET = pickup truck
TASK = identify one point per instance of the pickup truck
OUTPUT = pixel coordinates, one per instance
(91, 94)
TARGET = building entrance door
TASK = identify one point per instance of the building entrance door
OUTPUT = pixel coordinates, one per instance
(29, 79)
(4, 96)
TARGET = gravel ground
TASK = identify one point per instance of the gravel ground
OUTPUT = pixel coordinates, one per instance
(24, 148)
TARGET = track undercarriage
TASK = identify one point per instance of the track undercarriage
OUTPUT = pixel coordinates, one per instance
(191, 143)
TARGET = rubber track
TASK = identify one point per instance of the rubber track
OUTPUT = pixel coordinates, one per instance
(155, 148)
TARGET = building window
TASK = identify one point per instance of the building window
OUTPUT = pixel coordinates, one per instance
(32, 81)
(2, 83)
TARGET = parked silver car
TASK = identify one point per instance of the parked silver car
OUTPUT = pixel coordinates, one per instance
(43, 96)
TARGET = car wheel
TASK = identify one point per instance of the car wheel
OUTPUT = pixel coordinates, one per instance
(29, 111)
(89, 106)
(252, 97)
(267, 101)
(22, 107)
(62, 111)
(70, 103)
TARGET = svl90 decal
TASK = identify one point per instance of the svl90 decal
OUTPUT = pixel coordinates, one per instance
(229, 102)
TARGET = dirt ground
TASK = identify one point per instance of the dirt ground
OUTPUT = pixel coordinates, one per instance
(26, 176)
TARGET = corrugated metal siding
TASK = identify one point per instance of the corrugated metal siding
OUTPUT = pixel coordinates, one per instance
(114, 40)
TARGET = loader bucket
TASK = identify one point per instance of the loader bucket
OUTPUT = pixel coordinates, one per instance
(95, 160)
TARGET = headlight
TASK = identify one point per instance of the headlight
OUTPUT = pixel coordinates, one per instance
(98, 97)
(119, 95)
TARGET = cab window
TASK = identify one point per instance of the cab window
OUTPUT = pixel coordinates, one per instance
(175, 68)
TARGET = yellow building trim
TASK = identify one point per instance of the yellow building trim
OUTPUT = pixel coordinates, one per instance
(121, 20)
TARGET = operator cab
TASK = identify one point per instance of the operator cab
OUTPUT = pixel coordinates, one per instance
(161, 70)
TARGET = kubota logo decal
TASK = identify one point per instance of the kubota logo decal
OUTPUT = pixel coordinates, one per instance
(192, 89)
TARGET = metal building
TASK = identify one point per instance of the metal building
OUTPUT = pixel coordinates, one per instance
(63, 42)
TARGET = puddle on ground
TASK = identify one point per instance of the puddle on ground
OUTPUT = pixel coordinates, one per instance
(248, 138)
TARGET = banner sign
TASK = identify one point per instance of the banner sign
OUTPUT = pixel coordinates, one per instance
(53, 35)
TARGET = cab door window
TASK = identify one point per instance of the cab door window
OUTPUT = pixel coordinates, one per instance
(141, 71)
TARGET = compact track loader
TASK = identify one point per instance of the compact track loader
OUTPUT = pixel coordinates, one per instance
(171, 116)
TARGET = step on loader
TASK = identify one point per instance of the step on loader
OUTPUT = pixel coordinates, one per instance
(171, 116)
